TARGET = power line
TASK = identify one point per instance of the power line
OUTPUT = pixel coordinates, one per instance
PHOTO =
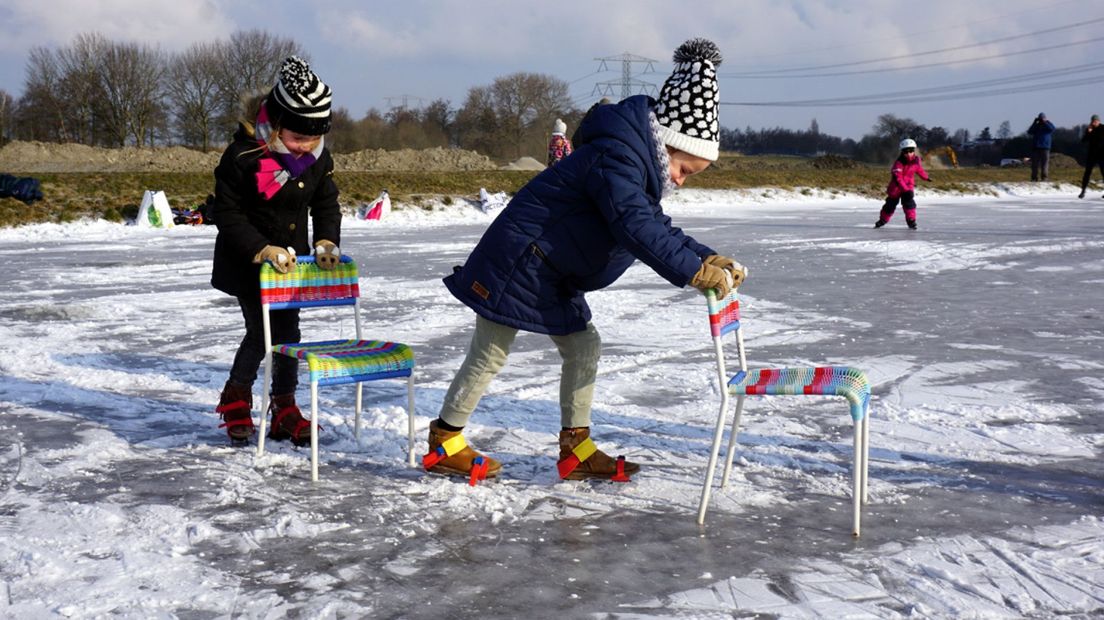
(1088, 79)
(915, 54)
(628, 82)
(1034, 9)
(945, 63)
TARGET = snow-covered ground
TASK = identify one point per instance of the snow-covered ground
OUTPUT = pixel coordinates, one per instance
(982, 333)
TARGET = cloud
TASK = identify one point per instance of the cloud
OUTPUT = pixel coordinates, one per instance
(170, 24)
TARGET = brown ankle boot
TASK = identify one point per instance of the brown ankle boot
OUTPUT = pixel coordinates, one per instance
(236, 407)
(288, 422)
(588, 461)
(461, 461)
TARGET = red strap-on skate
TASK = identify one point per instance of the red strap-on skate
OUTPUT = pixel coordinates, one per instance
(299, 425)
(478, 470)
(222, 410)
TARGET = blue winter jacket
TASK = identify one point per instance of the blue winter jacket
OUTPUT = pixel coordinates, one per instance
(1042, 131)
(577, 227)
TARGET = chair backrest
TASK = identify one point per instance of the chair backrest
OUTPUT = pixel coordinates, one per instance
(308, 286)
(724, 313)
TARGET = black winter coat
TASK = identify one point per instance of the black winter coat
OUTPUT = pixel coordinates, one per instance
(1095, 141)
(577, 227)
(247, 222)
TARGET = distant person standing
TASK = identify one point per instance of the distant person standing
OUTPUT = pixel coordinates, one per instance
(1094, 138)
(1042, 131)
(558, 146)
(902, 185)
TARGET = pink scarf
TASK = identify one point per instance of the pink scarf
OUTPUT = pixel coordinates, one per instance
(277, 166)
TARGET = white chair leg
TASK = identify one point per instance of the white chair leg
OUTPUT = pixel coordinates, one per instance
(356, 422)
(866, 454)
(733, 436)
(856, 480)
(410, 418)
(718, 431)
(314, 431)
(264, 403)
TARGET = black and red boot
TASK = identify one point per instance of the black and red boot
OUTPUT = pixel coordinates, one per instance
(288, 422)
(236, 409)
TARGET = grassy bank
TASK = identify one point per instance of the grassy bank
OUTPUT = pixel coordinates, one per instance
(115, 196)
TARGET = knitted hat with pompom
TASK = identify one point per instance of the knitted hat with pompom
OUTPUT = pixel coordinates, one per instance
(687, 105)
(300, 101)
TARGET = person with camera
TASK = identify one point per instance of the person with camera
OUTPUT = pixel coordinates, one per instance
(1041, 130)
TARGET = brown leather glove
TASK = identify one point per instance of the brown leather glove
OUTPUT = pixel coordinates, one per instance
(711, 277)
(738, 271)
(281, 259)
(326, 254)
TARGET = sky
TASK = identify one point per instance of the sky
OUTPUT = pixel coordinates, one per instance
(378, 54)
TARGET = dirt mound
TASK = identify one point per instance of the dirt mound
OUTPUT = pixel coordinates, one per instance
(425, 160)
(50, 157)
(834, 162)
(1061, 160)
(37, 157)
(523, 163)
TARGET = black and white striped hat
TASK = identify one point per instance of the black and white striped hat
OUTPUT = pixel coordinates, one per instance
(687, 106)
(300, 101)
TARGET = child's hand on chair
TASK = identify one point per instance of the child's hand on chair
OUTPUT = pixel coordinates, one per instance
(326, 254)
(282, 259)
(737, 271)
(712, 277)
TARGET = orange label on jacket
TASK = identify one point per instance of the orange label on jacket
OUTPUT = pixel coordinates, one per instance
(480, 290)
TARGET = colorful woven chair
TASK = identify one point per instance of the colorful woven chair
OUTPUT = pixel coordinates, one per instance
(332, 362)
(850, 383)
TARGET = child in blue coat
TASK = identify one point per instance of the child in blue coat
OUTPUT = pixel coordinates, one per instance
(576, 228)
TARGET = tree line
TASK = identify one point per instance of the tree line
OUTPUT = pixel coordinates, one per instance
(881, 144)
(100, 92)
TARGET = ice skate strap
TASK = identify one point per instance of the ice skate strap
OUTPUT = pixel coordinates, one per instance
(232, 423)
(620, 476)
(233, 406)
(579, 453)
(237, 404)
(448, 447)
(478, 470)
(299, 425)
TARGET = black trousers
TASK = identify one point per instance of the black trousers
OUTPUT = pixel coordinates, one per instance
(906, 200)
(1088, 170)
(251, 351)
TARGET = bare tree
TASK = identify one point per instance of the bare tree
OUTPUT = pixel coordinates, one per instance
(514, 115)
(41, 112)
(7, 107)
(131, 76)
(81, 88)
(193, 90)
(1004, 132)
(476, 123)
(526, 105)
(250, 61)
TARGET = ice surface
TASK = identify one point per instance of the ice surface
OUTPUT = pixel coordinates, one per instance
(981, 333)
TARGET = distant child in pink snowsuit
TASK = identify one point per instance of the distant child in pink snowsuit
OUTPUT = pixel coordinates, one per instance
(558, 146)
(901, 185)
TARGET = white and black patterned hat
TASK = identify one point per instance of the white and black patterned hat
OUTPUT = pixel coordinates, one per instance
(687, 106)
(300, 101)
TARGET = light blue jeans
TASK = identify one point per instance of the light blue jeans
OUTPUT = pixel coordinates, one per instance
(487, 354)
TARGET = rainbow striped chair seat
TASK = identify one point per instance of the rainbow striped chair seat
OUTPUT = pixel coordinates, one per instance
(330, 362)
(850, 383)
